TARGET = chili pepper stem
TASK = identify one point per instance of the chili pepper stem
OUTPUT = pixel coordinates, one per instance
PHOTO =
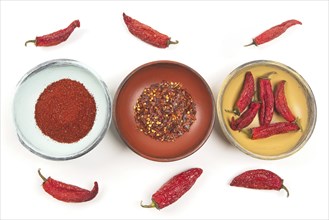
(173, 42)
(286, 189)
(39, 172)
(152, 205)
(266, 75)
(234, 111)
(29, 41)
(297, 121)
(252, 43)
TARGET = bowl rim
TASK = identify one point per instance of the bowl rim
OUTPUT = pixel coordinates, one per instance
(312, 119)
(156, 62)
(59, 62)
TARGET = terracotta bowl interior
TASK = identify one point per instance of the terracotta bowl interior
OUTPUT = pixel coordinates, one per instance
(130, 90)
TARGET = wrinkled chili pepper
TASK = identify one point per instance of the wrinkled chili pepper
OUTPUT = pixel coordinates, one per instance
(55, 37)
(267, 100)
(273, 32)
(67, 192)
(246, 118)
(246, 94)
(173, 189)
(146, 33)
(281, 105)
(265, 131)
(259, 179)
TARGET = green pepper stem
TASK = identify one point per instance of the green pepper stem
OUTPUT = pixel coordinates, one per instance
(152, 205)
(44, 178)
(285, 188)
(267, 75)
(29, 41)
(172, 42)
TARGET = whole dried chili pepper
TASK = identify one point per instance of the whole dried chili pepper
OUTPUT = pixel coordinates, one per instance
(66, 192)
(281, 105)
(246, 118)
(265, 131)
(146, 33)
(259, 179)
(246, 94)
(55, 37)
(173, 189)
(273, 32)
(267, 100)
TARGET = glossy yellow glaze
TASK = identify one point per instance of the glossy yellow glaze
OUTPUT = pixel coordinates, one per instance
(297, 101)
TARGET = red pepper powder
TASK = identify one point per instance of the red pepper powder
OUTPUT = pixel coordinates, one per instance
(65, 111)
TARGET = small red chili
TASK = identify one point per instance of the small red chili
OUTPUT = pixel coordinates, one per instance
(246, 118)
(265, 131)
(55, 37)
(67, 192)
(259, 179)
(267, 100)
(281, 105)
(173, 189)
(273, 32)
(246, 94)
(146, 33)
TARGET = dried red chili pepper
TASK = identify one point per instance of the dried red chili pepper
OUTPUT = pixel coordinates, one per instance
(267, 101)
(55, 37)
(173, 189)
(246, 118)
(67, 192)
(281, 105)
(273, 32)
(265, 131)
(146, 33)
(259, 179)
(246, 94)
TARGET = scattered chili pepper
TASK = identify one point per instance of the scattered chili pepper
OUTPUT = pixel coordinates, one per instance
(267, 101)
(146, 33)
(67, 192)
(246, 118)
(55, 37)
(273, 32)
(173, 189)
(65, 111)
(281, 105)
(259, 179)
(165, 111)
(265, 131)
(246, 94)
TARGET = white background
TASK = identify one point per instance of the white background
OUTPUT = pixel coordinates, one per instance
(211, 37)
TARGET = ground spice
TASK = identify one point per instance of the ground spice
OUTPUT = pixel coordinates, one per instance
(165, 111)
(65, 111)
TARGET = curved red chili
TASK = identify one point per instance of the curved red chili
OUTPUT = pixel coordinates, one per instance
(246, 118)
(273, 32)
(259, 179)
(146, 33)
(281, 105)
(265, 131)
(67, 192)
(55, 37)
(174, 188)
(246, 94)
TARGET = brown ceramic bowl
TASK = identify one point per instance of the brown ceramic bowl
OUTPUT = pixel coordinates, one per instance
(130, 90)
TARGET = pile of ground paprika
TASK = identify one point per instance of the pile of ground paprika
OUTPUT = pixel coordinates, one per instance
(65, 111)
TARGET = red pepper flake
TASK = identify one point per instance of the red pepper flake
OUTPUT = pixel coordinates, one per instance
(67, 192)
(174, 188)
(65, 111)
(165, 111)
(146, 33)
(55, 37)
(259, 179)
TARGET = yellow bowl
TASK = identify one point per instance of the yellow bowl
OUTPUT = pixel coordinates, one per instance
(300, 100)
